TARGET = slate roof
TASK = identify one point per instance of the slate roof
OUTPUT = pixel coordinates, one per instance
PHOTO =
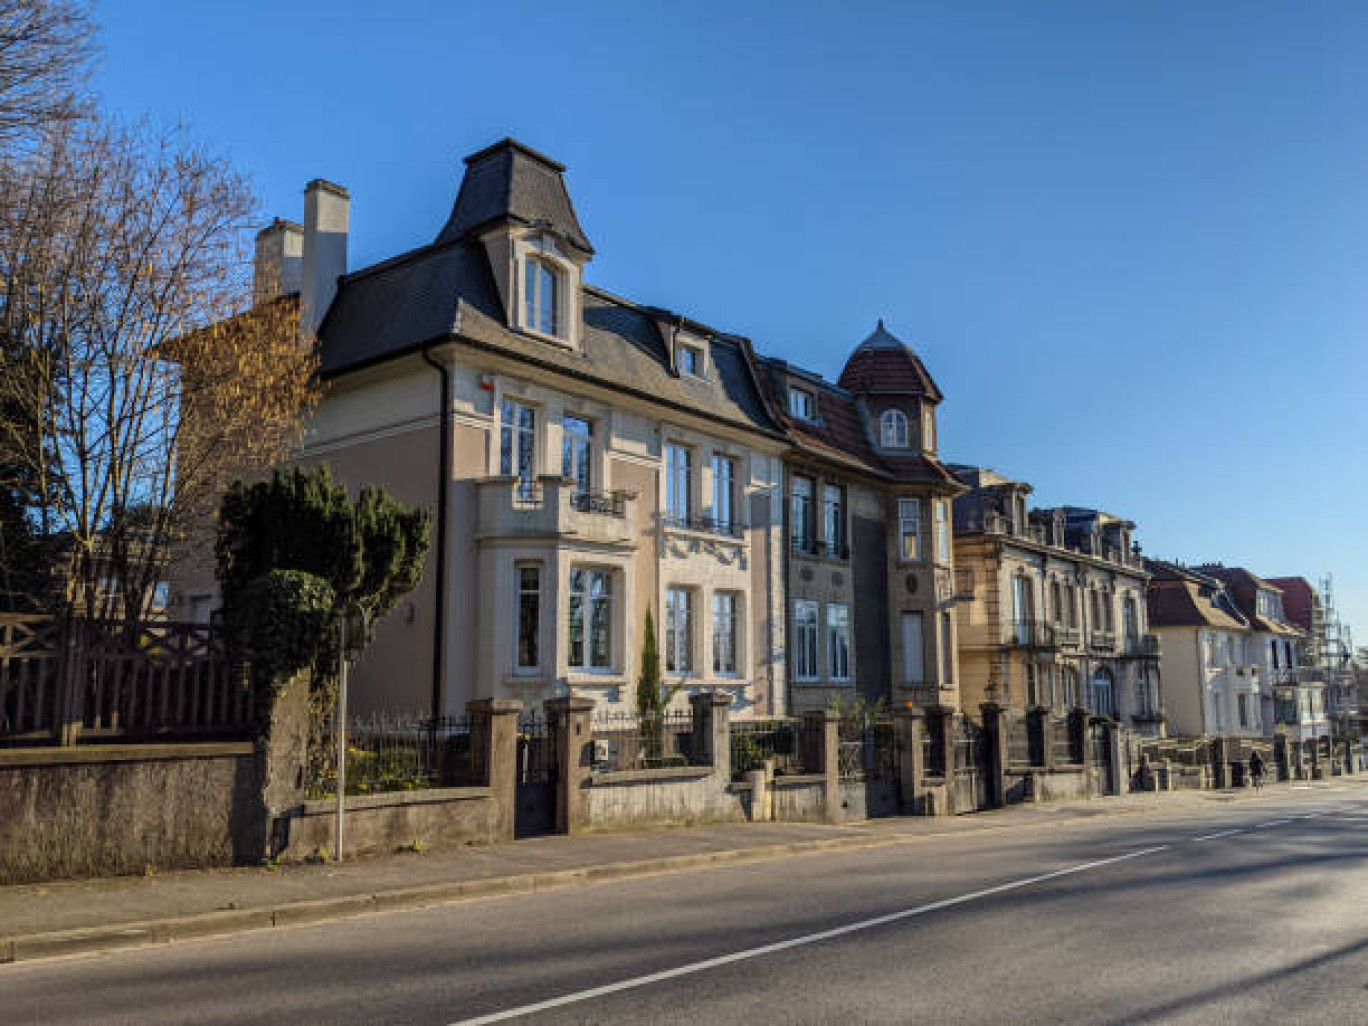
(446, 291)
(1176, 598)
(884, 364)
(839, 432)
(512, 182)
(1297, 599)
(1244, 588)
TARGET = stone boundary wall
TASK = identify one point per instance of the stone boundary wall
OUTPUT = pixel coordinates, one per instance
(403, 820)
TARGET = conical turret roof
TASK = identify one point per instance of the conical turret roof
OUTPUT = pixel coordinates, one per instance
(884, 364)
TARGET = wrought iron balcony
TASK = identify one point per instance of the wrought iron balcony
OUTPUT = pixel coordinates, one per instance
(822, 549)
(553, 507)
(1102, 640)
(707, 525)
(1142, 646)
(1031, 634)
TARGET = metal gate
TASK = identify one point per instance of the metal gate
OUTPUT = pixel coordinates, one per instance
(535, 808)
(868, 762)
(971, 781)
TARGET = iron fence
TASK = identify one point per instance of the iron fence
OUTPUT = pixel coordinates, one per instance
(868, 748)
(625, 741)
(1067, 750)
(389, 752)
(781, 742)
(537, 756)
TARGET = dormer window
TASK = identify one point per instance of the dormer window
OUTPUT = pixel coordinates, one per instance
(893, 429)
(928, 430)
(689, 360)
(541, 296)
(802, 404)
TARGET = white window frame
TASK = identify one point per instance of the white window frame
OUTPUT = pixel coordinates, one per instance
(834, 498)
(803, 404)
(914, 655)
(580, 441)
(520, 591)
(893, 431)
(928, 429)
(942, 531)
(802, 529)
(914, 518)
(806, 664)
(689, 360)
(680, 618)
(536, 271)
(679, 483)
(724, 490)
(726, 619)
(515, 439)
(838, 642)
(588, 602)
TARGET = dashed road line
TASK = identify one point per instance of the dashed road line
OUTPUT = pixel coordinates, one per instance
(793, 942)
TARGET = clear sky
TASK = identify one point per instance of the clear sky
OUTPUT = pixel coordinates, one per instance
(1130, 240)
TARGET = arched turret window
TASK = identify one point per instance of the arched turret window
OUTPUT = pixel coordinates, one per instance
(893, 429)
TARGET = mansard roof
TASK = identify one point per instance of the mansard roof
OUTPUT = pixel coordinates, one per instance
(1298, 599)
(1243, 587)
(446, 292)
(1178, 597)
(510, 182)
(839, 434)
(883, 364)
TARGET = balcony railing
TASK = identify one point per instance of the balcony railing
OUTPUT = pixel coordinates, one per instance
(824, 549)
(1003, 526)
(1142, 646)
(609, 504)
(1030, 634)
(1102, 640)
(707, 525)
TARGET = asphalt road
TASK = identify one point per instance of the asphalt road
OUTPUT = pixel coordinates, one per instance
(1254, 912)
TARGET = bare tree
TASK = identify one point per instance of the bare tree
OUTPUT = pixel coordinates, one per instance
(136, 380)
(45, 53)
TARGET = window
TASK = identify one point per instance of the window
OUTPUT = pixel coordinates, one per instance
(1056, 602)
(928, 429)
(1032, 686)
(679, 631)
(802, 404)
(161, 595)
(577, 452)
(591, 619)
(909, 528)
(541, 296)
(833, 519)
(800, 512)
(1104, 696)
(689, 360)
(805, 640)
(518, 444)
(529, 616)
(942, 531)
(838, 641)
(1068, 686)
(914, 648)
(1242, 702)
(1072, 605)
(678, 483)
(723, 491)
(724, 633)
(1130, 623)
(1143, 706)
(893, 429)
(1022, 608)
(947, 651)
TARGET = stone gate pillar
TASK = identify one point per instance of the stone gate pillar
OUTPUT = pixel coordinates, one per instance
(569, 719)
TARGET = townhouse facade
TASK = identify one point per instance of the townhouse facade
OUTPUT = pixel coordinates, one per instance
(591, 460)
(588, 460)
(870, 564)
(1056, 614)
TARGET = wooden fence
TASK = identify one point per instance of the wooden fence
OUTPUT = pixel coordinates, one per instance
(70, 682)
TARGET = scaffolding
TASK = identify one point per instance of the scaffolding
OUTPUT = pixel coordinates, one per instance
(1333, 650)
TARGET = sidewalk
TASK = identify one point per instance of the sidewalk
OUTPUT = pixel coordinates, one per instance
(39, 921)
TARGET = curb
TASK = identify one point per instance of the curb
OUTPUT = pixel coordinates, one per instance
(93, 940)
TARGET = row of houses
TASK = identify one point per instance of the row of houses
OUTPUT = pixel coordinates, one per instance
(797, 541)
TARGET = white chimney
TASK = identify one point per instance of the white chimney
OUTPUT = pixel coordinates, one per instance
(278, 267)
(327, 209)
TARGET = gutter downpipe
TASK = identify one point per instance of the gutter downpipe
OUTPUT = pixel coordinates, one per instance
(443, 487)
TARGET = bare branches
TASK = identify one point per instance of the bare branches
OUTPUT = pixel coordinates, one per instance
(135, 376)
(45, 53)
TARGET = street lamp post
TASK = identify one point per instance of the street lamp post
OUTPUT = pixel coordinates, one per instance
(349, 647)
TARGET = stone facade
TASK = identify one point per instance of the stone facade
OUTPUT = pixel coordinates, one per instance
(1054, 611)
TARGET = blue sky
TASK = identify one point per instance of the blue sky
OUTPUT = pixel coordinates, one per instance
(1130, 240)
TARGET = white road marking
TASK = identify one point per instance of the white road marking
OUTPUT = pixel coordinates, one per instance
(1276, 822)
(794, 942)
(1212, 837)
